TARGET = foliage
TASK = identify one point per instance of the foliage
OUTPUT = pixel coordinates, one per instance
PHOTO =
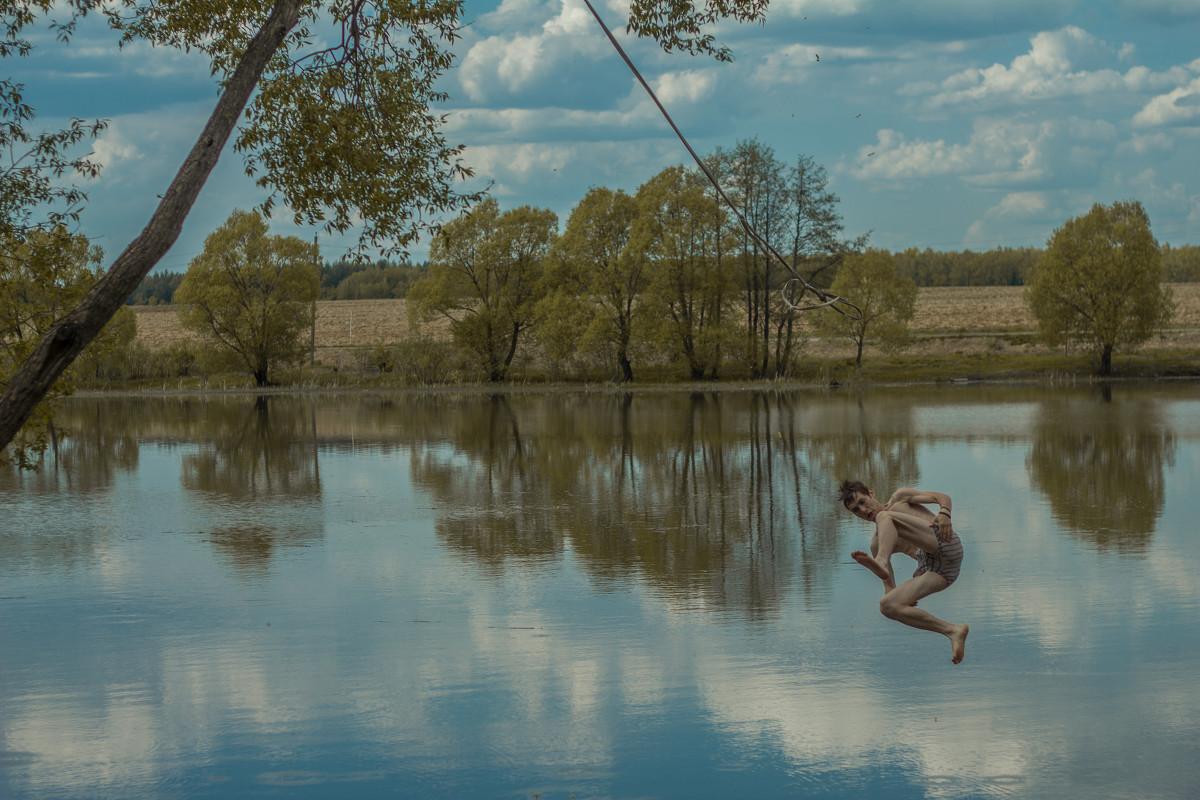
(375, 282)
(156, 289)
(1005, 266)
(111, 354)
(887, 301)
(679, 26)
(1099, 282)
(1181, 264)
(252, 293)
(35, 190)
(597, 278)
(793, 210)
(42, 274)
(334, 102)
(681, 231)
(419, 361)
(485, 277)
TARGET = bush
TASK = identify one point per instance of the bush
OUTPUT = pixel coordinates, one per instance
(423, 361)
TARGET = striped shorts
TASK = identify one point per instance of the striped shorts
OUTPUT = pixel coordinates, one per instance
(947, 562)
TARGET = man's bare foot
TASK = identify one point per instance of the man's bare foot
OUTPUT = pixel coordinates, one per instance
(958, 640)
(870, 563)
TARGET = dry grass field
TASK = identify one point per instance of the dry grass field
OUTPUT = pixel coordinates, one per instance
(948, 319)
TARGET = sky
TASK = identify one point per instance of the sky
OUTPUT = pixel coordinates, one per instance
(942, 124)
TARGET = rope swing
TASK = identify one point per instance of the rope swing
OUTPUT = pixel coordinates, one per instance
(796, 287)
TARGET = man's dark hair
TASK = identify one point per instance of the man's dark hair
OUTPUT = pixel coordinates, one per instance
(850, 488)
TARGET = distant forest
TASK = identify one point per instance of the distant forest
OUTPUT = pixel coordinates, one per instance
(344, 280)
(1006, 266)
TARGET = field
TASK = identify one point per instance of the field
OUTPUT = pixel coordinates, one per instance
(972, 319)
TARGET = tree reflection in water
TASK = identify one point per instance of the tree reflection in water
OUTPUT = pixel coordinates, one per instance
(700, 494)
(723, 499)
(1101, 464)
(257, 453)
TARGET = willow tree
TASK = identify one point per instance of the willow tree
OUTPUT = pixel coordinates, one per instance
(886, 299)
(42, 274)
(598, 273)
(681, 230)
(486, 278)
(335, 100)
(252, 294)
(1099, 283)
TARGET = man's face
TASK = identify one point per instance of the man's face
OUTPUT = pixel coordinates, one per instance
(864, 506)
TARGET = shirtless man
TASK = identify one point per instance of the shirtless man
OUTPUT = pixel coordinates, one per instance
(904, 525)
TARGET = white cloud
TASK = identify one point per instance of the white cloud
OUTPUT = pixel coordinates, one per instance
(797, 62)
(817, 8)
(148, 148)
(1057, 65)
(1146, 144)
(1069, 63)
(1178, 106)
(678, 88)
(1000, 151)
(113, 150)
(513, 62)
(519, 161)
(1019, 205)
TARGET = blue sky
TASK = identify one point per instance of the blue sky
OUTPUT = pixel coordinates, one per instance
(946, 124)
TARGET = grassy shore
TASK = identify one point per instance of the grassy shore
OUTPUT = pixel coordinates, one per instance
(961, 333)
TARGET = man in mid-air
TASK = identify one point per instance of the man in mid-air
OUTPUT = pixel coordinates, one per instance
(904, 525)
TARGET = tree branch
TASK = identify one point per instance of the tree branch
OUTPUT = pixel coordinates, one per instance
(67, 337)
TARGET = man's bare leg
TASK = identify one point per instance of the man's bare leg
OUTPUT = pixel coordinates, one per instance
(889, 527)
(900, 604)
(871, 563)
(913, 529)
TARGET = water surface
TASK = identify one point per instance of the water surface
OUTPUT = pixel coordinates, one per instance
(599, 595)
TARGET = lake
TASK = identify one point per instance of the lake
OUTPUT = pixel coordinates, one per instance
(599, 595)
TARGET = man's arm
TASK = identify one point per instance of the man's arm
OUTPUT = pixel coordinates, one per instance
(921, 497)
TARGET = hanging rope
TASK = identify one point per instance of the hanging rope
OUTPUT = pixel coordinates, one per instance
(796, 287)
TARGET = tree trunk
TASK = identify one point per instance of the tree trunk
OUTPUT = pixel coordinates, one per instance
(1106, 359)
(67, 337)
(512, 349)
(626, 367)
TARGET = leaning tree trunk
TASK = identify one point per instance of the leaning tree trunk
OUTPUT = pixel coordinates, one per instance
(69, 335)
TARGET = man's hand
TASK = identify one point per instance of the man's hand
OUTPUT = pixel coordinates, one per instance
(943, 526)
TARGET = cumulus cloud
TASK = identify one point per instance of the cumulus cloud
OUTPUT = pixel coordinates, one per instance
(1019, 205)
(113, 150)
(485, 126)
(1067, 63)
(684, 87)
(523, 59)
(999, 151)
(1060, 63)
(1178, 106)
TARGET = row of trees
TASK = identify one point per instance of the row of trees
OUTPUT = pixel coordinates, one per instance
(668, 272)
(659, 275)
(663, 272)
(1005, 266)
(343, 280)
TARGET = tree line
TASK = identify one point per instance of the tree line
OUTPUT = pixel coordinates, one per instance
(1004, 266)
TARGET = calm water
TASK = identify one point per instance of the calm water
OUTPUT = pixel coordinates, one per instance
(599, 596)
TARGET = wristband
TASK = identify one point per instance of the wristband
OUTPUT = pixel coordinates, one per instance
(944, 511)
